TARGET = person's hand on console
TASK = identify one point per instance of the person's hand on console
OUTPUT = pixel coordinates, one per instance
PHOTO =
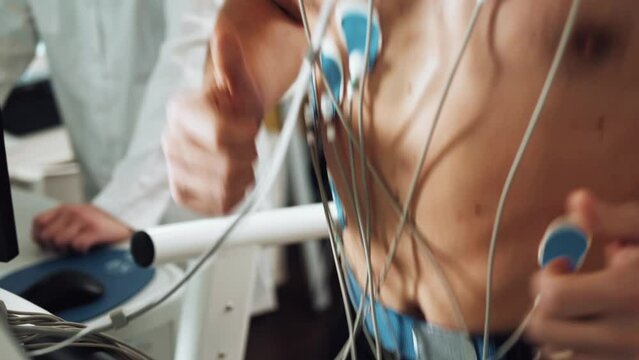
(593, 315)
(78, 228)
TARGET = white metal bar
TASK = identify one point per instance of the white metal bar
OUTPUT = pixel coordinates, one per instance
(183, 241)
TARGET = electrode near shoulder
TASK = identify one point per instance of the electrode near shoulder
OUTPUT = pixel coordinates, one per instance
(353, 19)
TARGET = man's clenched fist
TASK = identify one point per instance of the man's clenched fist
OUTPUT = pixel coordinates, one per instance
(209, 141)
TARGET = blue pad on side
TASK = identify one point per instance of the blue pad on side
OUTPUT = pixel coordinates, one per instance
(564, 240)
(114, 268)
(333, 71)
(331, 65)
(339, 205)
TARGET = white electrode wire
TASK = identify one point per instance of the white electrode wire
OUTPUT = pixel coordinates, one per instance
(77, 336)
(413, 185)
(397, 207)
(343, 353)
(356, 207)
(333, 242)
(367, 205)
(332, 228)
(342, 174)
(368, 289)
(353, 329)
(362, 87)
(349, 191)
(361, 309)
(360, 226)
(339, 263)
(517, 334)
(255, 198)
(305, 24)
(365, 243)
(29, 328)
(357, 325)
(541, 102)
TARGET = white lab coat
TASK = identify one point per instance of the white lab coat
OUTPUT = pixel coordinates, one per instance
(110, 66)
(101, 55)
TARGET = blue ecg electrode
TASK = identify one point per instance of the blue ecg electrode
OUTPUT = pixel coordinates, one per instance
(353, 19)
(331, 64)
(564, 240)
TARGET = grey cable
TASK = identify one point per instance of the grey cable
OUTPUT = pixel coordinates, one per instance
(365, 243)
(342, 174)
(358, 215)
(334, 246)
(29, 327)
(315, 163)
(398, 210)
(541, 102)
(518, 333)
(354, 201)
(367, 206)
(362, 87)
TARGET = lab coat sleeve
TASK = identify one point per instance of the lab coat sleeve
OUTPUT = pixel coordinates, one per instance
(18, 40)
(138, 193)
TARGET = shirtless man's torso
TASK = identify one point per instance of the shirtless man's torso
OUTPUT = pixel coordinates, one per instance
(586, 136)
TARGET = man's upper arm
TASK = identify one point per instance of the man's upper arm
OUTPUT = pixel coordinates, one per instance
(18, 40)
(272, 41)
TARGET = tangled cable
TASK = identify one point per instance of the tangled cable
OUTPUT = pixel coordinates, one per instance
(35, 331)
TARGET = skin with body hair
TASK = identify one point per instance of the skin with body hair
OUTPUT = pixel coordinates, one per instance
(580, 163)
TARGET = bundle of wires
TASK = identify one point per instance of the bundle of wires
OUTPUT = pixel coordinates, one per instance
(363, 216)
(36, 331)
(363, 213)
